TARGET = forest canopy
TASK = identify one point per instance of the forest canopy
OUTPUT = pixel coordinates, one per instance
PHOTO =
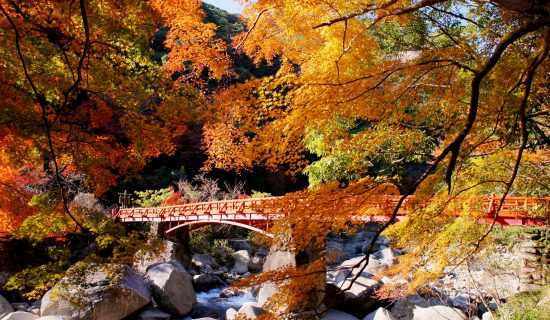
(439, 101)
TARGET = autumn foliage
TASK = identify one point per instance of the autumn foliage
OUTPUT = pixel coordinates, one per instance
(438, 101)
(82, 97)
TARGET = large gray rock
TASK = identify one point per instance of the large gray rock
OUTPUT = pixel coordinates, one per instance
(267, 290)
(278, 259)
(386, 256)
(464, 301)
(168, 251)
(153, 314)
(20, 306)
(205, 282)
(172, 287)
(403, 309)
(240, 244)
(97, 291)
(201, 259)
(230, 314)
(204, 262)
(242, 258)
(336, 252)
(20, 315)
(380, 314)
(358, 298)
(274, 261)
(5, 307)
(256, 263)
(356, 264)
(250, 311)
(380, 243)
(338, 315)
(438, 313)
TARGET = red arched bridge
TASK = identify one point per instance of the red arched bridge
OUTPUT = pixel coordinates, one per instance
(251, 213)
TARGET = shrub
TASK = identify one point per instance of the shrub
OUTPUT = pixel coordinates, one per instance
(531, 305)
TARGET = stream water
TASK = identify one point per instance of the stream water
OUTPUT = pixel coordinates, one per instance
(209, 304)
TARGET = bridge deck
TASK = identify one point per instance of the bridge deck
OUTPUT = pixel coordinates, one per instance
(514, 211)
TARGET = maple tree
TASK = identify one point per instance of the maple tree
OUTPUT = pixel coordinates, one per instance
(456, 91)
(437, 100)
(82, 96)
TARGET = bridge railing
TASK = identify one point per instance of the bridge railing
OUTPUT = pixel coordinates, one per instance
(518, 208)
(223, 207)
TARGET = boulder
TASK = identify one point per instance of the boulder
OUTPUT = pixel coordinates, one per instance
(250, 311)
(380, 314)
(279, 259)
(438, 313)
(20, 315)
(230, 314)
(242, 258)
(97, 291)
(262, 252)
(240, 244)
(5, 307)
(359, 299)
(20, 306)
(464, 301)
(267, 290)
(172, 287)
(374, 266)
(361, 287)
(153, 314)
(233, 292)
(337, 276)
(256, 263)
(205, 282)
(275, 260)
(202, 261)
(491, 305)
(34, 310)
(403, 309)
(336, 252)
(380, 244)
(386, 256)
(338, 315)
(53, 318)
(168, 251)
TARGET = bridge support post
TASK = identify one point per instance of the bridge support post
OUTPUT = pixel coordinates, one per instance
(301, 294)
(182, 237)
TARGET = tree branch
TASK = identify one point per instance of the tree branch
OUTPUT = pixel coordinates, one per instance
(251, 28)
(43, 105)
(524, 136)
(83, 56)
(387, 13)
(454, 147)
(457, 142)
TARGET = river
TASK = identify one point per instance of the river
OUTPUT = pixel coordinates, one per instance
(209, 304)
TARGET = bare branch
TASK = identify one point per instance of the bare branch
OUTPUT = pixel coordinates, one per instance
(84, 54)
(454, 147)
(251, 28)
(387, 12)
(43, 105)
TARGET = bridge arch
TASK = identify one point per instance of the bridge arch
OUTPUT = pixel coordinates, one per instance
(233, 223)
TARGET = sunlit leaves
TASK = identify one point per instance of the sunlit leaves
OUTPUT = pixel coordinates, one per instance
(102, 107)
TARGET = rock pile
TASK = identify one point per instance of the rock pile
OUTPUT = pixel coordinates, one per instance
(535, 252)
